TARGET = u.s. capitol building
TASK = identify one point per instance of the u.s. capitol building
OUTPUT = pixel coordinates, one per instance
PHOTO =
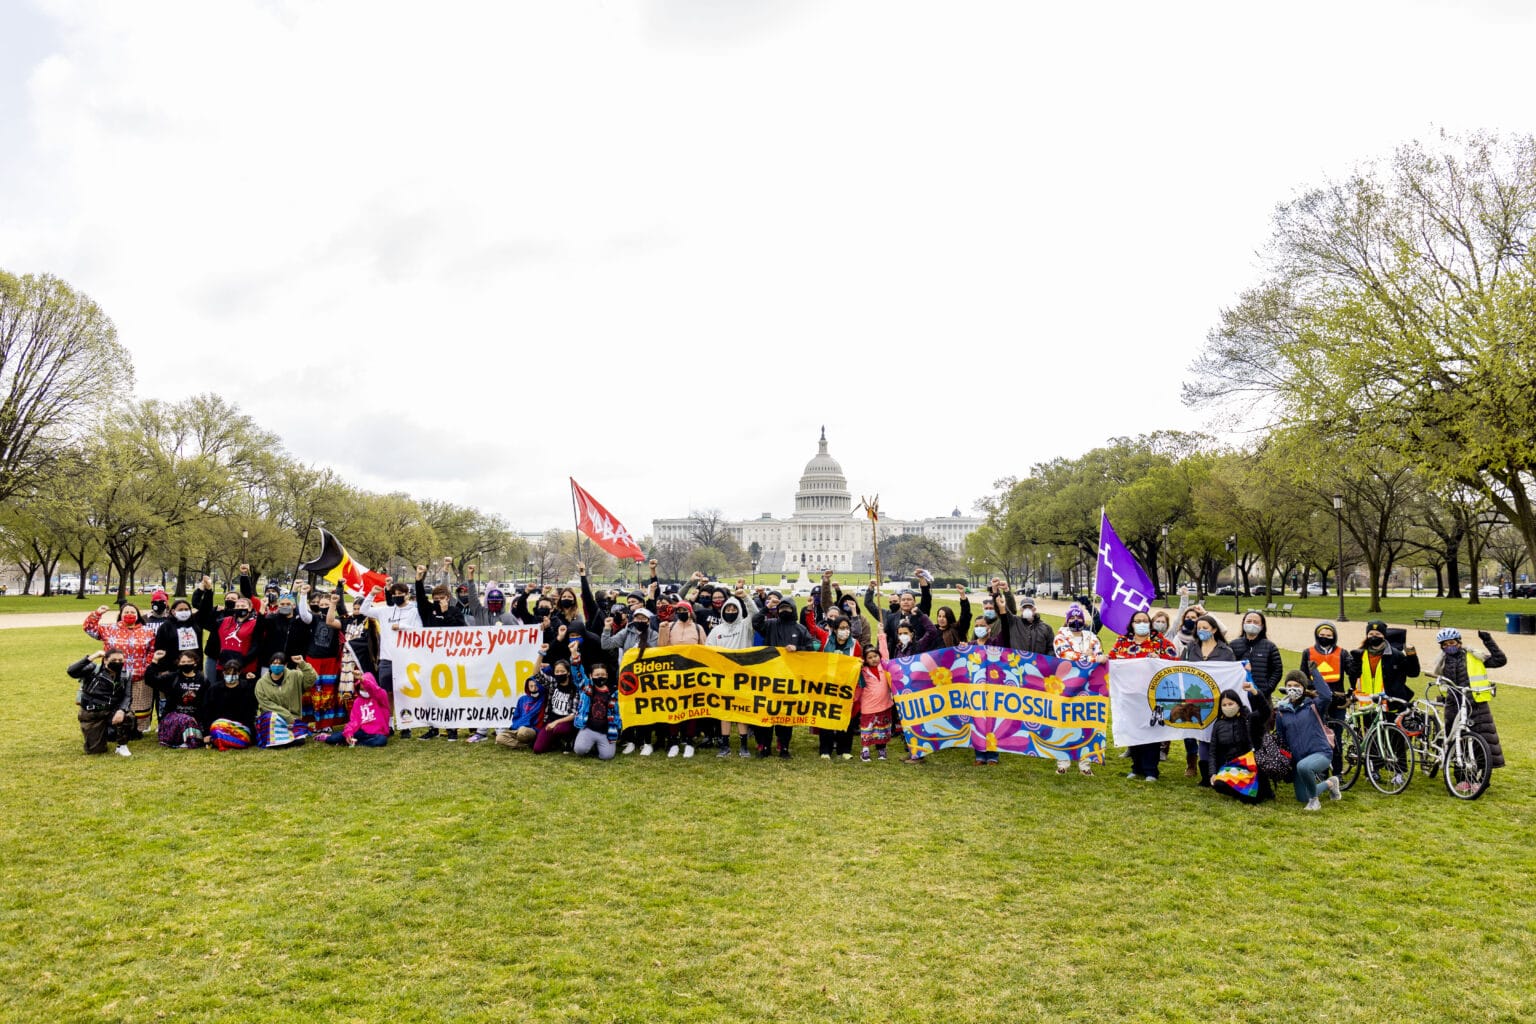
(824, 531)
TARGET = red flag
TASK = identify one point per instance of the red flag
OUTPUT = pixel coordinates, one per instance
(334, 564)
(606, 532)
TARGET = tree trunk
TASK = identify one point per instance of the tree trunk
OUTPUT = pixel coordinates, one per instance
(181, 575)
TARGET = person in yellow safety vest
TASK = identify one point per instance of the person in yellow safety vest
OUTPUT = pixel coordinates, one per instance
(1328, 661)
(1467, 668)
(1382, 668)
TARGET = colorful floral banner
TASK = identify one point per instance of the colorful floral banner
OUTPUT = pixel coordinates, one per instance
(998, 699)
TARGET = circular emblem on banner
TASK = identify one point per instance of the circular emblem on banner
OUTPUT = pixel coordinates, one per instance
(1182, 697)
(628, 684)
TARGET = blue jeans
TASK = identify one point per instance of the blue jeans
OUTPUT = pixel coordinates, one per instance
(364, 739)
(1311, 771)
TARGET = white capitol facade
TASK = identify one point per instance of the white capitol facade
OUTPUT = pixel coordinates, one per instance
(825, 531)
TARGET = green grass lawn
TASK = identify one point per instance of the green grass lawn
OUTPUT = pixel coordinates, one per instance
(435, 881)
(12, 604)
(1489, 614)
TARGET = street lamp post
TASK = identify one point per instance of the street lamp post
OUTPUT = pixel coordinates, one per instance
(1237, 597)
(245, 535)
(1338, 582)
(1050, 573)
(530, 572)
(1167, 570)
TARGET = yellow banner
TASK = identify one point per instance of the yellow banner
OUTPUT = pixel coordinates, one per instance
(756, 685)
(1012, 703)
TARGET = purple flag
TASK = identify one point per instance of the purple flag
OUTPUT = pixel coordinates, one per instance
(1120, 581)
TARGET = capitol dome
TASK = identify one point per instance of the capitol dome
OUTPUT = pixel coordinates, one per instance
(823, 488)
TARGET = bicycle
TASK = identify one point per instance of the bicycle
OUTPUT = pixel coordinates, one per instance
(1381, 748)
(1463, 758)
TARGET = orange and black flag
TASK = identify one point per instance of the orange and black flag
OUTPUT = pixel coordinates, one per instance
(334, 564)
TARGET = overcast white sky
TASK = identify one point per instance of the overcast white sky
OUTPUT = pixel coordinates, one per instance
(705, 226)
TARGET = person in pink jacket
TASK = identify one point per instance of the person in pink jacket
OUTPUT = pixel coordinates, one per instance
(368, 725)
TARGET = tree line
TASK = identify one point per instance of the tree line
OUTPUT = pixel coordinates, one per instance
(1385, 363)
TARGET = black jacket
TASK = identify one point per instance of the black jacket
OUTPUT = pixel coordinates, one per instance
(236, 703)
(1479, 713)
(778, 633)
(1396, 669)
(431, 618)
(1035, 637)
(101, 689)
(1264, 658)
(285, 634)
(169, 637)
(1231, 738)
(187, 695)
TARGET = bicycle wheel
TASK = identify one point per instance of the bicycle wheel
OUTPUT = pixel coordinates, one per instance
(1429, 746)
(1352, 755)
(1388, 759)
(1468, 766)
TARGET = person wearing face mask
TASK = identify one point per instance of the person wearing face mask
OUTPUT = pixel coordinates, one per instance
(1238, 731)
(1299, 729)
(137, 642)
(733, 633)
(230, 705)
(1469, 668)
(280, 702)
(1143, 642)
(442, 611)
(1381, 667)
(924, 634)
(178, 634)
(836, 638)
(1077, 643)
(907, 646)
(562, 701)
(1259, 651)
(390, 612)
(1329, 660)
(597, 715)
(780, 628)
(682, 630)
(324, 708)
(280, 630)
(528, 712)
(368, 722)
(179, 680)
(1208, 644)
(105, 699)
(492, 611)
(1019, 624)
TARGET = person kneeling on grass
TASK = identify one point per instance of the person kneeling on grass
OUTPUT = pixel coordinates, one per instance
(230, 705)
(106, 700)
(280, 702)
(1299, 728)
(524, 727)
(1237, 731)
(597, 717)
(368, 723)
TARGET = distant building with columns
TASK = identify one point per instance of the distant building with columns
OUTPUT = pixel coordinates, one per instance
(824, 531)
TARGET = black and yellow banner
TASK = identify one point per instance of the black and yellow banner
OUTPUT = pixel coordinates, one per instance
(756, 685)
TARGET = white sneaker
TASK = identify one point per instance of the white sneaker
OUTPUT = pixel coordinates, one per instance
(1313, 805)
(1133, 776)
(1150, 778)
(645, 751)
(673, 750)
(826, 757)
(629, 748)
(123, 751)
(1333, 787)
(687, 749)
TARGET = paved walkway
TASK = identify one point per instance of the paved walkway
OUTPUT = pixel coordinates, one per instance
(1296, 634)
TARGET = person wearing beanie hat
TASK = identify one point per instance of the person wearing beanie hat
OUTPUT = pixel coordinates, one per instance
(1329, 660)
(159, 610)
(441, 612)
(492, 611)
(782, 629)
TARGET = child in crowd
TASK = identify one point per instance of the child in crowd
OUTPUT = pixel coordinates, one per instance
(368, 723)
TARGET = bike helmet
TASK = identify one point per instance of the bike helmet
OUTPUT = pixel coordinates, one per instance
(1448, 633)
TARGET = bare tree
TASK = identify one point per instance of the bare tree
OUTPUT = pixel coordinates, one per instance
(59, 361)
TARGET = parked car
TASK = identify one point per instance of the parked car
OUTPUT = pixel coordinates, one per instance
(1227, 591)
(1524, 590)
(1490, 590)
(1260, 590)
(1314, 590)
